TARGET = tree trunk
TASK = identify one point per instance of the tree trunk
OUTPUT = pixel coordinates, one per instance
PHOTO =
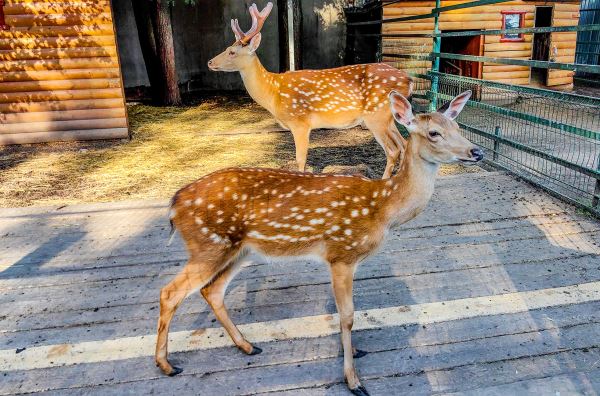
(143, 20)
(163, 34)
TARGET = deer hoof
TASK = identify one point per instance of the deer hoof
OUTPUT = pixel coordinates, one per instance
(255, 351)
(175, 371)
(359, 391)
(359, 353)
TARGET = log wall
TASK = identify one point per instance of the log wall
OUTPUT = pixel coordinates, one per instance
(59, 73)
(484, 17)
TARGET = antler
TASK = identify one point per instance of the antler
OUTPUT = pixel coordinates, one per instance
(258, 20)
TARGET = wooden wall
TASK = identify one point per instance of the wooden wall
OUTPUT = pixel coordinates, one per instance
(59, 72)
(484, 17)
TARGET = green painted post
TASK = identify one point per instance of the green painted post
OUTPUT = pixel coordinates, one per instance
(496, 144)
(435, 65)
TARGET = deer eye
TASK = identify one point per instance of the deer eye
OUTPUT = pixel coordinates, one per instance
(434, 134)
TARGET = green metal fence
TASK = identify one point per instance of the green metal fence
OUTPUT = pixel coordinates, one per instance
(549, 138)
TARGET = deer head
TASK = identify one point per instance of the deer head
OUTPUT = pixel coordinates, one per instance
(240, 53)
(437, 135)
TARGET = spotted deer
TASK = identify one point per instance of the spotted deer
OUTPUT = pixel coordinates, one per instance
(339, 219)
(303, 100)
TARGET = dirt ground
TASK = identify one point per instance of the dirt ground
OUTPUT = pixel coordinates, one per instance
(169, 148)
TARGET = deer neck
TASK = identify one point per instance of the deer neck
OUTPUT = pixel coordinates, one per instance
(410, 189)
(259, 83)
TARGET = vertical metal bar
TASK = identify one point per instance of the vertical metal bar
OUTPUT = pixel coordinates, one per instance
(435, 65)
(291, 43)
(595, 198)
(496, 143)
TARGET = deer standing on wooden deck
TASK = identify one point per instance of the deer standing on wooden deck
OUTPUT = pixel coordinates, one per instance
(303, 100)
(340, 219)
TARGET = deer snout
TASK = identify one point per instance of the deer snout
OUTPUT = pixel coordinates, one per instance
(211, 64)
(476, 154)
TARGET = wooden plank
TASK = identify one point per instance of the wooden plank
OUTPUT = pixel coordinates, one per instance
(61, 19)
(12, 118)
(498, 68)
(43, 54)
(61, 126)
(73, 84)
(491, 39)
(54, 75)
(57, 31)
(62, 64)
(505, 75)
(492, 47)
(56, 42)
(44, 96)
(63, 136)
(75, 7)
(60, 105)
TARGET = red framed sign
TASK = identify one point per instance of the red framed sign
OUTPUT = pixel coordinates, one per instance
(513, 20)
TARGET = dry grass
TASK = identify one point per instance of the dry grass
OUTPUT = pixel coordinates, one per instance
(170, 147)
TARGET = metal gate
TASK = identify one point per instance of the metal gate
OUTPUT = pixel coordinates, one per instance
(549, 138)
(588, 43)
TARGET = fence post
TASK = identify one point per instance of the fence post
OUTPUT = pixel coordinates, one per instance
(595, 199)
(497, 132)
(435, 65)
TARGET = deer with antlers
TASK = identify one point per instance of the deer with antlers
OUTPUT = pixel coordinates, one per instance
(340, 219)
(307, 99)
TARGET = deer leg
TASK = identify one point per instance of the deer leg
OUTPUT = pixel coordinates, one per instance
(301, 136)
(214, 294)
(195, 275)
(341, 278)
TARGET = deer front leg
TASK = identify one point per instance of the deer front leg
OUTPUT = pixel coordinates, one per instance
(341, 278)
(301, 135)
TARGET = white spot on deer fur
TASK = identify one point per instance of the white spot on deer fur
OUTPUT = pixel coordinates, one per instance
(198, 201)
(299, 217)
(348, 231)
(321, 210)
(317, 221)
(198, 220)
(226, 189)
(187, 202)
(204, 230)
(364, 211)
(234, 196)
(375, 194)
(335, 228)
(354, 213)
(219, 213)
(348, 247)
(210, 206)
(295, 209)
(347, 221)
(244, 197)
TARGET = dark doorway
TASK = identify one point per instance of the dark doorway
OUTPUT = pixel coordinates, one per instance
(469, 45)
(541, 44)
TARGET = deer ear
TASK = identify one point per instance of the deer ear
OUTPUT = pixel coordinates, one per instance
(401, 109)
(254, 43)
(453, 108)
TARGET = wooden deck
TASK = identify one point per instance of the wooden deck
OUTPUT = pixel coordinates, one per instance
(494, 290)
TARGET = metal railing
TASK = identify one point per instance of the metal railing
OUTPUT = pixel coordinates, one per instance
(549, 138)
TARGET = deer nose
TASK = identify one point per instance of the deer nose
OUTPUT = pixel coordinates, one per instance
(476, 154)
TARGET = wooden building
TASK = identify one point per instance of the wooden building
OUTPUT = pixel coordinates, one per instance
(59, 72)
(559, 47)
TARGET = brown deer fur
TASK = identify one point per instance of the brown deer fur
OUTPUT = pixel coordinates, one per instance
(338, 219)
(307, 99)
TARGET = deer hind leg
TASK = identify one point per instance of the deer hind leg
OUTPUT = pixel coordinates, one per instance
(341, 279)
(301, 135)
(195, 275)
(384, 130)
(214, 294)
